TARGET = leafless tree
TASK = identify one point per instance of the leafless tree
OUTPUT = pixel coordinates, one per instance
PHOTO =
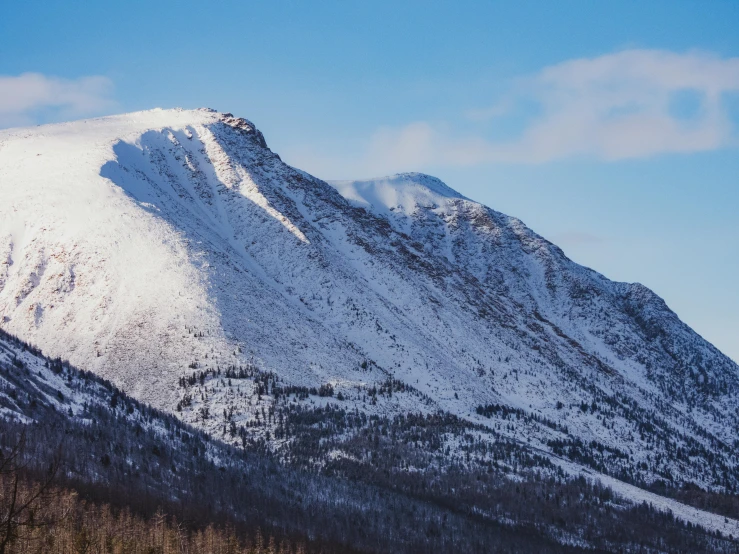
(19, 501)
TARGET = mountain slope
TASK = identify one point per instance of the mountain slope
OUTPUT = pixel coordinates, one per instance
(173, 253)
(110, 448)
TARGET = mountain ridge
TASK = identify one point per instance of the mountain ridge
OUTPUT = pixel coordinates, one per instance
(157, 246)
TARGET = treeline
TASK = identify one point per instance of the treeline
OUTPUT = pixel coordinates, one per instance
(504, 412)
(390, 485)
(406, 454)
(125, 454)
(62, 521)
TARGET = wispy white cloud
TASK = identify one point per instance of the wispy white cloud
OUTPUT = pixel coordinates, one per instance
(23, 98)
(617, 106)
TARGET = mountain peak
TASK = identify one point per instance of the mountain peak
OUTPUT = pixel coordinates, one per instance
(402, 193)
(434, 184)
(127, 125)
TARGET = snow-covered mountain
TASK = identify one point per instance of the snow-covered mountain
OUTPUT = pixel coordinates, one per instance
(173, 253)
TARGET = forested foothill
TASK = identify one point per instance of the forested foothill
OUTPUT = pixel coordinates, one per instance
(86, 468)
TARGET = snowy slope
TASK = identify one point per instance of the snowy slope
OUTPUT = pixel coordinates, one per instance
(34, 389)
(150, 246)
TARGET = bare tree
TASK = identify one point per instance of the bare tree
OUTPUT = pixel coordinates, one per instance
(19, 500)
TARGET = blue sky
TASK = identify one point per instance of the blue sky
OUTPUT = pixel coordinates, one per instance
(608, 127)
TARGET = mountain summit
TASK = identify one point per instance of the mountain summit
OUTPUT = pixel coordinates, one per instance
(173, 253)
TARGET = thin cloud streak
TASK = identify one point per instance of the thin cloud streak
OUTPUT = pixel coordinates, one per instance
(613, 107)
(23, 97)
